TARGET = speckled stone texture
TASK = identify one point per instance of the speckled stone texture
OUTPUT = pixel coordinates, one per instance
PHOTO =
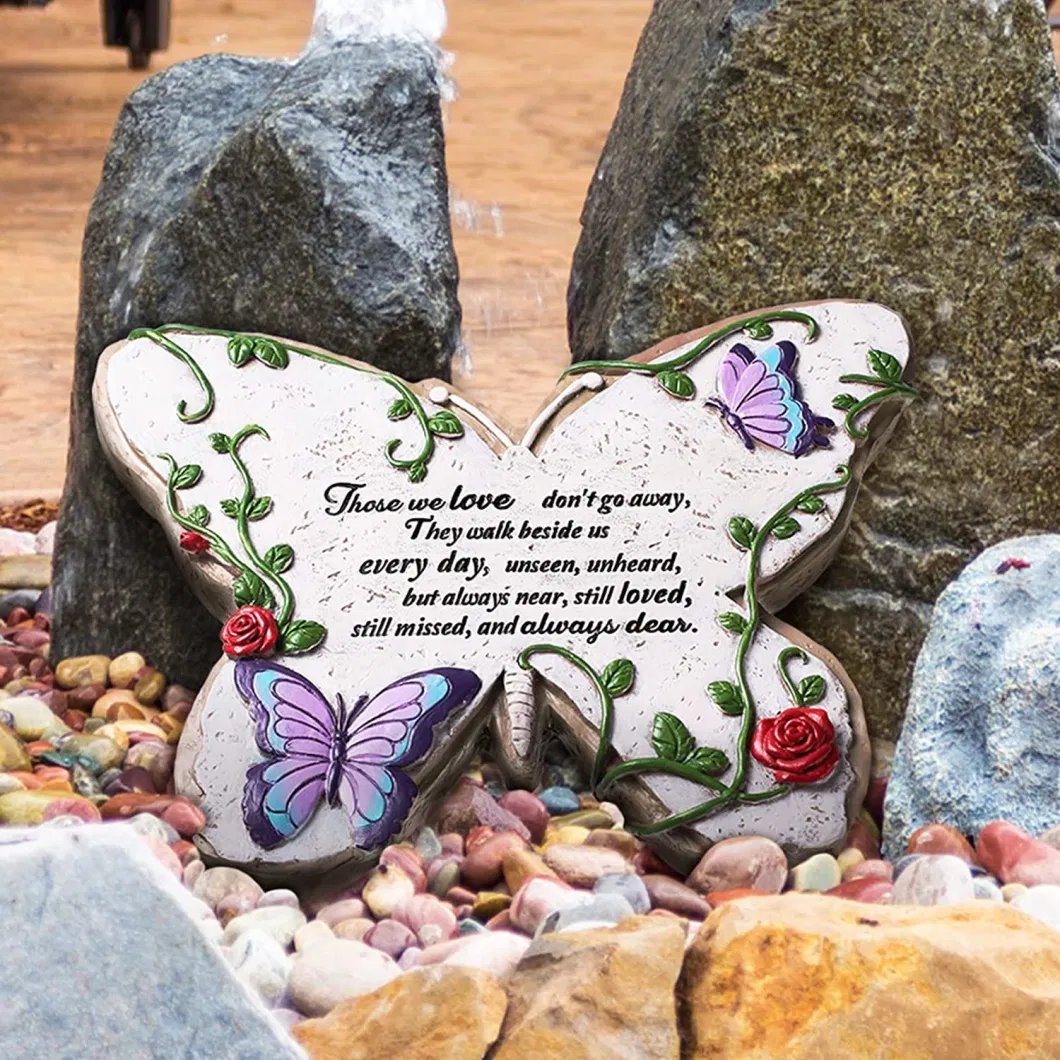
(102, 961)
(981, 739)
(772, 151)
(309, 200)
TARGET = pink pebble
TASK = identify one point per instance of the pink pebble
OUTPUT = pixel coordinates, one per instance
(874, 869)
(1015, 857)
(164, 854)
(452, 843)
(429, 918)
(529, 809)
(410, 958)
(874, 891)
(345, 909)
(408, 859)
(483, 865)
(438, 953)
(74, 806)
(281, 896)
(390, 937)
(185, 817)
(538, 897)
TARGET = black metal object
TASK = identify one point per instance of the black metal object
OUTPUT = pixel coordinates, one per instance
(141, 26)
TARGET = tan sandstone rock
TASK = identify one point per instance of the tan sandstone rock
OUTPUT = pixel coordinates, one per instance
(437, 1013)
(596, 995)
(806, 977)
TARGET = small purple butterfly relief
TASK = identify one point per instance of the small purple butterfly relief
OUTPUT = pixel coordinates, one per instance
(760, 401)
(354, 757)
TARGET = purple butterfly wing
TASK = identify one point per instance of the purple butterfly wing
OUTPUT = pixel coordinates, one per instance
(295, 730)
(393, 730)
(761, 393)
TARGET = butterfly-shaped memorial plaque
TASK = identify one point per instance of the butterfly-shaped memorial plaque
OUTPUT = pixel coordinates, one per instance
(613, 570)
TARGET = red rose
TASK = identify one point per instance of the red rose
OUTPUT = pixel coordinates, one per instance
(250, 631)
(193, 542)
(798, 745)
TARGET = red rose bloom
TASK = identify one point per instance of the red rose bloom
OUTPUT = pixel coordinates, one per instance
(193, 542)
(798, 745)
(250, 631)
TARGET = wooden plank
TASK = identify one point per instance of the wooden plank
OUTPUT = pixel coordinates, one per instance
(538, 86)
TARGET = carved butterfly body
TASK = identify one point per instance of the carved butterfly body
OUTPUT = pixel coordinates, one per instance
(602, 592)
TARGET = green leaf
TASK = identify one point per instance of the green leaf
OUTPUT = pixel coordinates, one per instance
(221, 443)
(445, 425)
(187, 476)
(845, 402)
(417, 471)
(240, 349)
(199, 515)
(670, 738)
(709, 760)
(727, 696)
(885, 366)
(618, 676)
(259, 508)
(742, 531)
(733, 622)
(401, 409)
(677, 384)
(250, 589)
(786, 528)
(279, 558)
(270, 352)
(230, 507)
(811, 690)
(758, 329)
(302, 635)
(810, 505)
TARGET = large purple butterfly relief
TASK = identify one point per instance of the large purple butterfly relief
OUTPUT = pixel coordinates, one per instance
(760, 401)
(355, 758)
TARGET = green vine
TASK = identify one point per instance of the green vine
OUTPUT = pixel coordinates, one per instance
(257, 572)
(669, 375)
(886, 378)
(676, 750)
(242, 349)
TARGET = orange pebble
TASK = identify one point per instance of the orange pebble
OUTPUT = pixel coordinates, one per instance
(39, 747)
(29, 781)
(716, 898)
(57, 784)
(47, 773)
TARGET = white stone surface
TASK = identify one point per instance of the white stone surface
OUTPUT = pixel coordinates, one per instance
(328, 425)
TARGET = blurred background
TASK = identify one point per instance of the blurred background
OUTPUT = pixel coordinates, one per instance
(537, 83)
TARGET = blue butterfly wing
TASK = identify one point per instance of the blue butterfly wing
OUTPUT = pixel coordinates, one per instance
(295, 729)
(391, 731)
(763, 395)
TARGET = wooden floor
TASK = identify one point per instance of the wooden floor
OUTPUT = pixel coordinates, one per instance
(538, 84)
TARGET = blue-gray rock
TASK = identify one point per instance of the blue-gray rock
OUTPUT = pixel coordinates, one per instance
(134, 975)
(26, 598)
(629, 887)
(598, 910)
(981, 740)
(308, 200)
(559, 800)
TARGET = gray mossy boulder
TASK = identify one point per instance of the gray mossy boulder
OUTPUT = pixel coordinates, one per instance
(776, 151)
(306, 200)
(981, 739)
(103, 957)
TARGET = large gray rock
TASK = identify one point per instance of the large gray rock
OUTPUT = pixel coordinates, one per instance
(772, 151)
(102, 960)
(981, 739)
(307, 200)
